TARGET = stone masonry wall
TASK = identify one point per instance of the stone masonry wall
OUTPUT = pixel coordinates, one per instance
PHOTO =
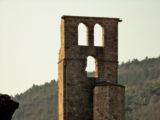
(76, 90)
(109, 102)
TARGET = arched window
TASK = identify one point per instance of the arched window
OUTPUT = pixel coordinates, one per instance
(98, 35)
(91, 67)
(82, 34)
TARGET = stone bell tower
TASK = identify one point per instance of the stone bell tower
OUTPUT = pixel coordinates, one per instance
(89, 98)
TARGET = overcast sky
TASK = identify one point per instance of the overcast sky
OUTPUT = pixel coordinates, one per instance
(30, 35)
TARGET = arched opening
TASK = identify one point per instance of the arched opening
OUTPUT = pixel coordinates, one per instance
(91, 67)
(82, 34)
(98, 35)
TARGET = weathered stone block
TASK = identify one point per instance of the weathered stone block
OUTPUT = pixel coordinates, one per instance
(109, 102)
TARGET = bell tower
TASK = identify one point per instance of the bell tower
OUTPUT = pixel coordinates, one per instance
(89, 98)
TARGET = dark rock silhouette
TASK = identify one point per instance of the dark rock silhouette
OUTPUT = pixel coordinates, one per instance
(7, 107)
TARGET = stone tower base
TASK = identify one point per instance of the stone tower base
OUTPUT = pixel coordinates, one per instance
(109, 102)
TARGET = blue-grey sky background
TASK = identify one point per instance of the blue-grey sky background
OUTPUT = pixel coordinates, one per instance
(30, 35)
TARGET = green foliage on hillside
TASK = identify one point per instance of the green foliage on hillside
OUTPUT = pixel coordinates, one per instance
(137, 72)
(38, 103)
(142, 81)
(142, 102)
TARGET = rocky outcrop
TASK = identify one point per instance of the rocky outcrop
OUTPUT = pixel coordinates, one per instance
(7, 107)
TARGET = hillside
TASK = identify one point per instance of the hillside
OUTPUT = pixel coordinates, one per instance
(142, 81)
(38, 103)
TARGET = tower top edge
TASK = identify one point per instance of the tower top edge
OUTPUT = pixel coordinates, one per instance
(90, 17)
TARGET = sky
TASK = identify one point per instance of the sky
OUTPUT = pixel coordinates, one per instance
(30, 35)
